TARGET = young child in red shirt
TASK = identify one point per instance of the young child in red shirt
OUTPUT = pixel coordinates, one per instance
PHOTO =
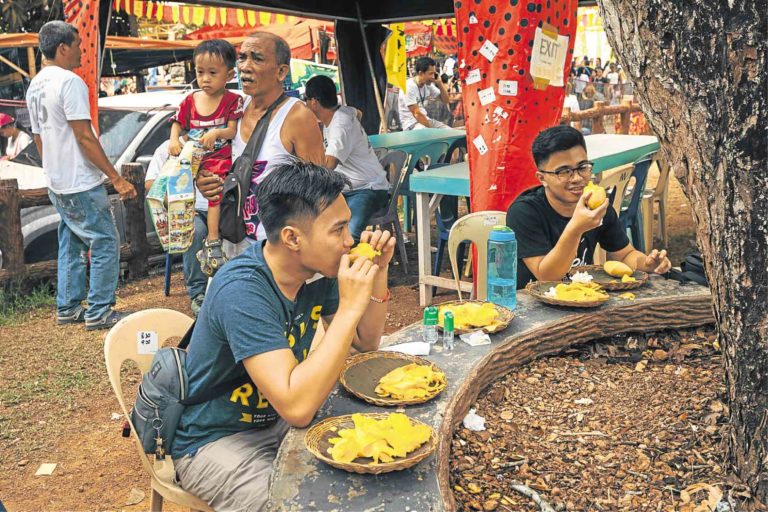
(209, 117)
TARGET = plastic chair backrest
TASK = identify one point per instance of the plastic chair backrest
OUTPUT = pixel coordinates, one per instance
(461, 145)
(475, 228)
(640, 174)
(433, 153)
(120, 346)
(615, 183)
(660, 191)
(395, 163)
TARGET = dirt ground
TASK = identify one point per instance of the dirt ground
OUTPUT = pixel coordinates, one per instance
(56, 405)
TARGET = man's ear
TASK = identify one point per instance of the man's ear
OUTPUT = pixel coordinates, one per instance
(291, 236)
(282, 72)
(540, 177)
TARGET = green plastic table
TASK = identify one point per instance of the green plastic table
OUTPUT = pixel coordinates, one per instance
(606, 151)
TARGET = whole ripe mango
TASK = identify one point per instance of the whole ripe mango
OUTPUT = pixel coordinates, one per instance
(617, 269)
(598, 195)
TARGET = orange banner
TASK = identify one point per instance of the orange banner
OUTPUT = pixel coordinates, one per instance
(84, 14)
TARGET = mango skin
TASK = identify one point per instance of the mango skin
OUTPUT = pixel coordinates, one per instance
(617, 269)
(598, 195)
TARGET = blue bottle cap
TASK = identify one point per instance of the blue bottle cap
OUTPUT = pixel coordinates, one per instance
(502, 234)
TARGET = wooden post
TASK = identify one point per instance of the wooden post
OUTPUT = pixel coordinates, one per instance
(31, 61)
(625, 116)
(11, 240)
(597, 122)
(135, 223)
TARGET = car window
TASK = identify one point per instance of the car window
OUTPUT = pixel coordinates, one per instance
(160, 134)
(118, 129)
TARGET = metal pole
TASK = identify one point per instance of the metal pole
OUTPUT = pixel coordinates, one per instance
(377, 94)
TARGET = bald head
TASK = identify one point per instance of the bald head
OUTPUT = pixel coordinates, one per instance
(282, 50)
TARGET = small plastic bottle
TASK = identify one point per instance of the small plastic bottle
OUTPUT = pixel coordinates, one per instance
(448, 333)
(430, 325)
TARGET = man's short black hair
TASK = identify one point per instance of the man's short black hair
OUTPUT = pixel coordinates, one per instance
(423, 63)
(53, 34)
(217, 48)
(322, 89)
(282, 50)
(296, 190)
(552, 140)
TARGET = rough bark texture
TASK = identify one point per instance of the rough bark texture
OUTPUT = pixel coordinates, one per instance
(699, 72)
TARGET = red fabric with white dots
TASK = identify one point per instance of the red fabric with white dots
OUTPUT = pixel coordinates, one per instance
(506, 169)
(84, 15)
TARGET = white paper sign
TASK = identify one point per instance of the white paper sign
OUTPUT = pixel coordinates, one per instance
(473, 20)
(480, 144)
(489, 50)
(486, 96)
(548, 57)
(146, 342)
(507, 87)
(473, 76)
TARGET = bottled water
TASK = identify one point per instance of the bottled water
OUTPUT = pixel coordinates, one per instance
(430, 325)
(502, 267)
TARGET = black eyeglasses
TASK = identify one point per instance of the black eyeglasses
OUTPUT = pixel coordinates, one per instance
(566, 173)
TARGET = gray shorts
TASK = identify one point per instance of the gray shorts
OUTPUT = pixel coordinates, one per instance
(232, 474)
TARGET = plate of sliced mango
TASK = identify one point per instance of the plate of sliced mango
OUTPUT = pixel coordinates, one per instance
(392, 378)
(575, 295)
(371, 443)
(612, 276)
(473, 315)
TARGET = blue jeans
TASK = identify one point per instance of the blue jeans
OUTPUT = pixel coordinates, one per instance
(363, 204)
(86, 223)
(194, 278)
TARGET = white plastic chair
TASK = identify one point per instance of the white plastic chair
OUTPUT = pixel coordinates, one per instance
(615, 182)
(120, 346)
(476, 228)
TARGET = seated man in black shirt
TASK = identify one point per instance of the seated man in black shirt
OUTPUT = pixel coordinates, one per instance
(554, 227)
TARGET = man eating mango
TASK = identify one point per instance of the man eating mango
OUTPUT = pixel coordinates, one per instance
(555, 224)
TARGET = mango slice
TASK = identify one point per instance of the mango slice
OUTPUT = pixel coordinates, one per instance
(470, 314)
(598, 195)
(410, 381)
(617, 269)
(364, 250)
(381, 440)
(628, 279)
(577, 292)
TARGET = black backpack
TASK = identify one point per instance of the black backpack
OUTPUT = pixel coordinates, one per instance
(691, 270)
(237, 183)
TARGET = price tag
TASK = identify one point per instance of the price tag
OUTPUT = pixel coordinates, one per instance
(508, 87)
(473, 76)
(489, 50)
(486, 96)
(480, 144)
(146, 342)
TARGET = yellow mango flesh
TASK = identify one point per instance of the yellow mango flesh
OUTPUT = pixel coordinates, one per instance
(381, 440)
(598, 195)
(579, 292)
(410, 381)
(628, 279)
(364, 250)
(617, 269)
(470, 314)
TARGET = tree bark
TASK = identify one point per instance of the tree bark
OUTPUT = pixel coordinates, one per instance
(699, 72)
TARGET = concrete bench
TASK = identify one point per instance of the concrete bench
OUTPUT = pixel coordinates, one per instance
(301, 482)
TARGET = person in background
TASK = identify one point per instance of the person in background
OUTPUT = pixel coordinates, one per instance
(194, 278)
(17, 139)
(555, 228)
(348, 151)
(615, 82)
(75, 167)
(587, 101)
(412, 105)
(449, 65)
(209, 117)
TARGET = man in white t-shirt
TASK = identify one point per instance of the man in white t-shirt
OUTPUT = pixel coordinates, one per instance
(448, 65)
(75, 166)
(194, 278)
(348, 151)
(412, 103)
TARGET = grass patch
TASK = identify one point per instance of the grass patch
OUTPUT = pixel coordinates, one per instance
(15, 301)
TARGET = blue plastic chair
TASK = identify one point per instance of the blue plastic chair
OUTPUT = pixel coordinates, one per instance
(434, 153)
(630, 214)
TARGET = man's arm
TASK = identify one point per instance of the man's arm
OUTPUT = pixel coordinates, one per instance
(419, 115)
(443, 91)
(655, 262)
(331, 162)
(91, 148)
(39, 145)
(305, 136)
(297, 390)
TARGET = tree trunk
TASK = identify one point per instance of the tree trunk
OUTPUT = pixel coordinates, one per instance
(699, 72)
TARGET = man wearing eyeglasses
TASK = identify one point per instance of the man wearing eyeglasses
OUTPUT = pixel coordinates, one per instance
(555, 228)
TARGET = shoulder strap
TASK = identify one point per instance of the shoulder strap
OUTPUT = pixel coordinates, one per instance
(260, 131)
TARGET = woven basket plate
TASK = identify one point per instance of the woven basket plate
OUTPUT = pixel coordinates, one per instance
(316, 441)
(608, 282)
(539, 288)
(362, 372)
(504, 318)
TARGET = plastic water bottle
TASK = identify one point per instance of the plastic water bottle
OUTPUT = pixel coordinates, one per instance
(430, 325)
(502, 267)
(448, 332)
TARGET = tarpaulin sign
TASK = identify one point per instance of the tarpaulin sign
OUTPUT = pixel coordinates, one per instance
(84, 15)
(513, 58)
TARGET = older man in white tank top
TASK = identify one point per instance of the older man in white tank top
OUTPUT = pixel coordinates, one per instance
(263, 63)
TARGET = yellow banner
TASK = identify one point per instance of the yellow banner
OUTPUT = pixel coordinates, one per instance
(394, 59)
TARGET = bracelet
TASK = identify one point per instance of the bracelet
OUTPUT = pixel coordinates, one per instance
(385, 299)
